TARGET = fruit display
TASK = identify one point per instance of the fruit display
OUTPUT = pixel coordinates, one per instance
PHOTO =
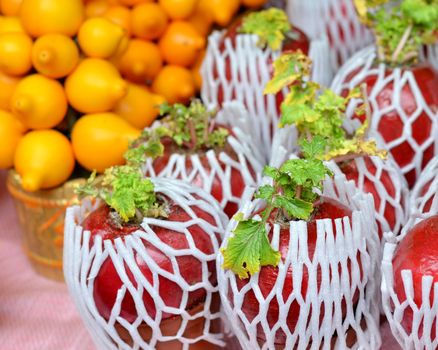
(159, 276)
(62, 61)
(276, 253)
(400, 87)
(409, 267)
(353, 155)
(238, 196)
(189, 144)
(238, 64)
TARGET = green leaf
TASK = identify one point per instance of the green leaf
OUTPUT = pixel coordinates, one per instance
(297, 114)
(295, 207)
(270, 26)
(288, 69)
(249, 249)
(270, 171)
(265, 192)
(313, 149)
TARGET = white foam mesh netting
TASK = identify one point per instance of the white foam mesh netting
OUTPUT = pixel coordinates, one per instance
(384, 181)
(347, 258)
(424, 196)
(336, 19)
(431, 54)
(414, 325)
(250, 70)
(411, 128)
(218, 168)
(84, 256)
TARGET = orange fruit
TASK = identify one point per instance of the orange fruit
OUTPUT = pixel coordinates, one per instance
(100, 140)
(253, 4)
(15, 53)
(181, 44)
(43, 159)
(39, 102)
(10, 24)
(141, 62)
(224, 10)
(178, 9)
(96, 8)
(148, 21)
(52, 16)
(121, 16)
(95, 86)
(10, 7)
(202, 17)
(7, 87)
(176, 84)
(133, 2)
(11, 131)
(98, 37)
(196, 70)
(55, 55)
(139, 107)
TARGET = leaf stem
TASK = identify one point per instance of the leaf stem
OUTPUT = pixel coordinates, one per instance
(368, 113)
(192, 133)
(401, 43)
(347, 157)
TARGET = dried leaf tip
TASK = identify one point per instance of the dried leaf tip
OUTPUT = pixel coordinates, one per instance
(271, 26)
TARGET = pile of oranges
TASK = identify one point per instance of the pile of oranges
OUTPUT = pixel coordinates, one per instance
(110, 62)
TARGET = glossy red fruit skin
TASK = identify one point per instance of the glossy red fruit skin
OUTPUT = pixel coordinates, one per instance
(236, 178)
(391, 126)
(107, 282)
(418, 252)
(299, 42)
(351, 171)
(326, 208)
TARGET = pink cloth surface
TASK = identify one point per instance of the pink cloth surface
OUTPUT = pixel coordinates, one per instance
(38, 314)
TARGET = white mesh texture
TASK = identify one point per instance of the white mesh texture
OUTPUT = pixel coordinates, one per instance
(83, 260)
(389, 186)
(411, 324)
(353, 242)
(336, 19)
(431, 54)
(250, 71)
(208, 168)
(424, 196)
(404, 85)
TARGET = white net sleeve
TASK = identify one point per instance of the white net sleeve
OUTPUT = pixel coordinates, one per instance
(188, 326)
(340, 311)
(413, 325)
(336, 19)
(249, 70)
(415, 127)
(218, 169)
(424, 196)
(431, 54)
(384, 181)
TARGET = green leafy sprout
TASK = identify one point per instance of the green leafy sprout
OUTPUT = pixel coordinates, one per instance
(319, 112)
(191, 127)
(400, 28)
(292, 194)
(126, 191)
(271, 26)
